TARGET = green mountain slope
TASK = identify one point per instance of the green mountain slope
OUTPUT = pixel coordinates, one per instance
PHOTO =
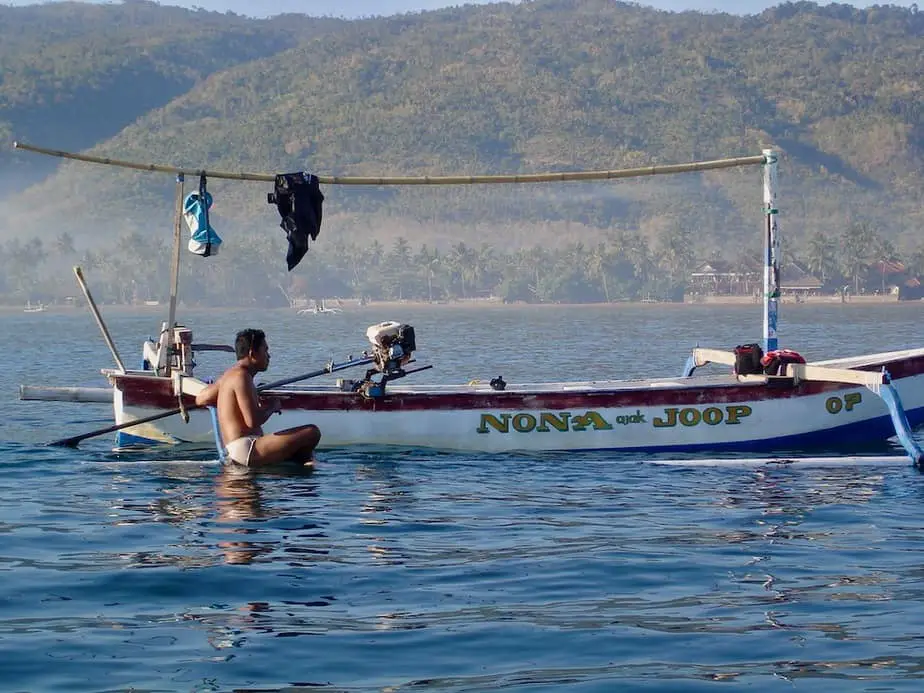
(76, 74)
(543, 85)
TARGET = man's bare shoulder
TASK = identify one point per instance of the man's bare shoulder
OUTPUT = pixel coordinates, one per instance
(234, 377)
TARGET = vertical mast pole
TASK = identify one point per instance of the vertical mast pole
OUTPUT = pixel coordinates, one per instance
(167, 344)
(771, 252)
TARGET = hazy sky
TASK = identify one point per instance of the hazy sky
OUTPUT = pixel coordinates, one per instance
(360, 8)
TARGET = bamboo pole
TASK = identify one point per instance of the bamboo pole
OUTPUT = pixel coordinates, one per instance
(166, 343)
(99, 318)
(559, 177)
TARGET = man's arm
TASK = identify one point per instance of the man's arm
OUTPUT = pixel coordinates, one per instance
(252, 411)
(208, 397)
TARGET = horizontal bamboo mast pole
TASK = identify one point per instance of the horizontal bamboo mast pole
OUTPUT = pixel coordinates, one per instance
(564, 176)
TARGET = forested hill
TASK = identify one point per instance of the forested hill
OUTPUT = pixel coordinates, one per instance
(537, 86)
(76, 74)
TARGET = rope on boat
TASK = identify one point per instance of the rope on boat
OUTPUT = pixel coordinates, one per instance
(563, 176)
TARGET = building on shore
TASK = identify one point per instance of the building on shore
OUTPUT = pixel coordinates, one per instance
(722, 278)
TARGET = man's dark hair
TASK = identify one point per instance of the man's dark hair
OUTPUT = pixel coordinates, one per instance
(247, 340)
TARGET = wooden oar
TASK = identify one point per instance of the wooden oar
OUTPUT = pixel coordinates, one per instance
(74, 441)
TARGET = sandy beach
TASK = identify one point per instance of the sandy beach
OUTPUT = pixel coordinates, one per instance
(355, 305)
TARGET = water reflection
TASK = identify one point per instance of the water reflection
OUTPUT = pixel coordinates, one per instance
(786, 513)
(782, 491)
(176, 501)
(237, 495)
(389, 502)
(238, 499)
(244, 513)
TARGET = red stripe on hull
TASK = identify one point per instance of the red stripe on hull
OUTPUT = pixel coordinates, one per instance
(157, 393)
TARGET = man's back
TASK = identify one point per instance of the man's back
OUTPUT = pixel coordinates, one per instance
(235, 385)
(241, 414)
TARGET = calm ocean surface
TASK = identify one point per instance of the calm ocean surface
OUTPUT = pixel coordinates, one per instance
(415, 571)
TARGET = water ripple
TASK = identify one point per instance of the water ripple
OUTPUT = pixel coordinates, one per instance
(411, 570)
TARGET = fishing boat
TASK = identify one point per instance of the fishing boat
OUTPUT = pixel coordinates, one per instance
(813, 405)
(800, 405)
(34, 307)
(318, 308)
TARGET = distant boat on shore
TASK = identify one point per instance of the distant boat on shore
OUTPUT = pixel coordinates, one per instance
(319, 307)
(34, 308)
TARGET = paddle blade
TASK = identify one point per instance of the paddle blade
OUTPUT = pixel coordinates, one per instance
(64, 443)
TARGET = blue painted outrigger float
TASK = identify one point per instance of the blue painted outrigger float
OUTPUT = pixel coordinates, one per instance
(802, 405)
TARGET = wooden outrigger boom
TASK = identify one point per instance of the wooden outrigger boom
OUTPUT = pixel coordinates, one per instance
(768, 157)
(555, 177)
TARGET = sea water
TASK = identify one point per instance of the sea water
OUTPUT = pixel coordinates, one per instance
(413, 570)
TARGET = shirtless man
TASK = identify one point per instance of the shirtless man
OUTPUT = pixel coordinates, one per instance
(241, 413)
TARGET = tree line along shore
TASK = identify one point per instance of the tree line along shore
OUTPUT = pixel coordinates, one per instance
(623, 267)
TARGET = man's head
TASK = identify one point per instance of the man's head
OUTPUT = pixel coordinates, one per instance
(251, 344)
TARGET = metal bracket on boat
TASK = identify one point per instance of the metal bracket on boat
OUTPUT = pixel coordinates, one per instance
(372, 389)
(178, 391)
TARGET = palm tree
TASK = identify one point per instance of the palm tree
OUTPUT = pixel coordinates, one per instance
(399, 262)
(401, 253)
(461, 261)
(429, 262)
(676, 253)
(431, 265)
(487, 266)
(639, 254)
(63, 245)
(858, 244)
(598, 267)
(915, 262)
(820, 256)
(375, 253)
(887, 259)
(531, 261)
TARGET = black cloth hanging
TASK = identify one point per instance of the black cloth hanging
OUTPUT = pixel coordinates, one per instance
(299, 199)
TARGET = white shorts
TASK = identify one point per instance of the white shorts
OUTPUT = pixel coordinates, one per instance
(239, 450)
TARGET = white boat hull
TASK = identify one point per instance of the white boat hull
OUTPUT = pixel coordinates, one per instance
(683, 414)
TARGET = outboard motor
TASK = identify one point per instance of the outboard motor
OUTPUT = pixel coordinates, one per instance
(393, 345)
